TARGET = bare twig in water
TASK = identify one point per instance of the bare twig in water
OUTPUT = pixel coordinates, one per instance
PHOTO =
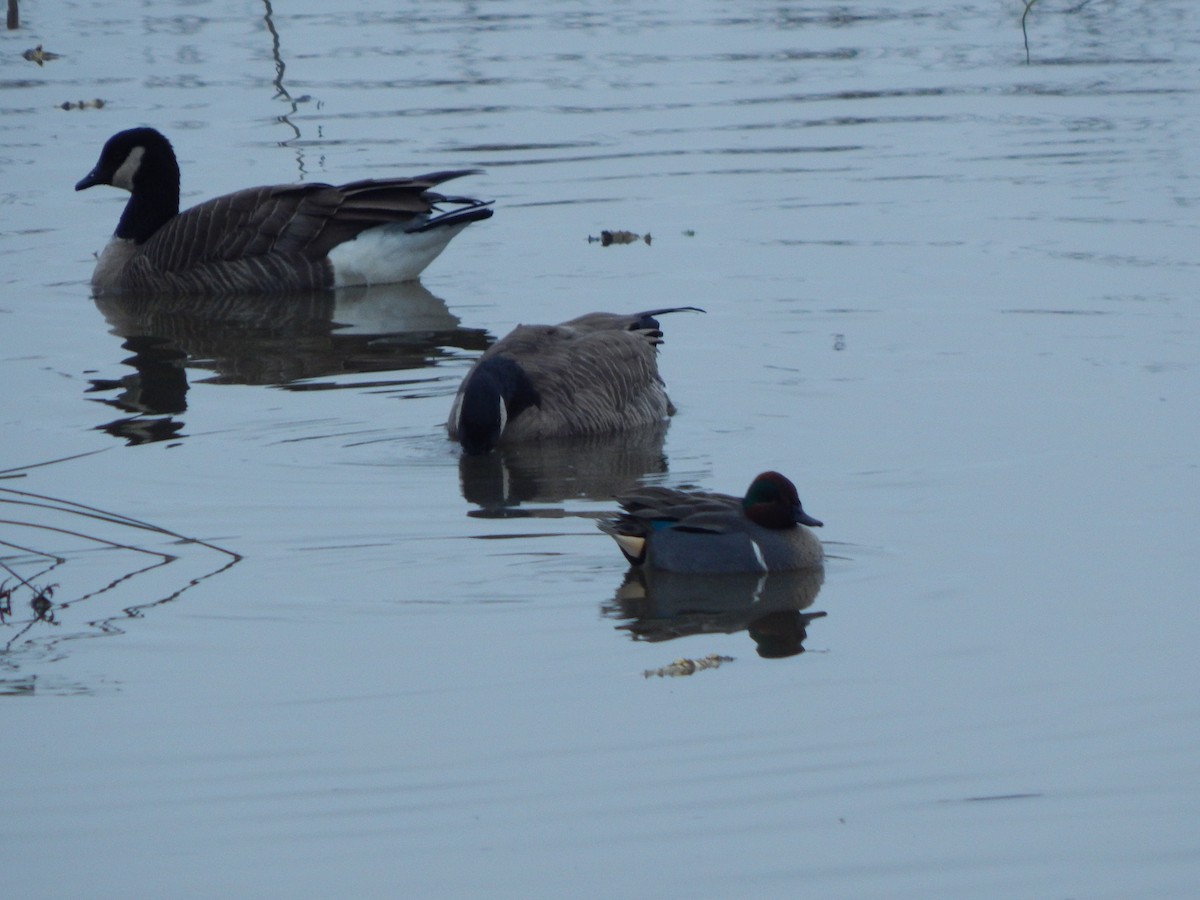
(40, 596)
(1024, 31)
(39, 603)
(19, 471)
(1025, 15)
(281, 92)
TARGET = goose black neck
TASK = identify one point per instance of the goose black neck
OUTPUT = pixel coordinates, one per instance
(154, 200)
(496, 392)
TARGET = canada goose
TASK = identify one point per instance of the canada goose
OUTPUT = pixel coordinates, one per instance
(700, 532)
(595, 374)
(267, 239)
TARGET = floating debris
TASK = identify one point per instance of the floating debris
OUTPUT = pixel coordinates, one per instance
(42, 608)
(40, 603)
(40, 56)
(689, 232)
(682, 667)
(83, 104)
(619, 237)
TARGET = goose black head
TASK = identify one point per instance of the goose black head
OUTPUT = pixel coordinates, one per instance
(142, 162)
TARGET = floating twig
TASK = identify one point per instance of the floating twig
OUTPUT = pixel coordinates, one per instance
(682, 667)
(40, 596)
(1024, 31)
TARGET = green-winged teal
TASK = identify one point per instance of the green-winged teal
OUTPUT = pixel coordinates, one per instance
(701, 532)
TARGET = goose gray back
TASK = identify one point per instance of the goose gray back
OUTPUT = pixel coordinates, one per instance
(594, 374)
(296, 237)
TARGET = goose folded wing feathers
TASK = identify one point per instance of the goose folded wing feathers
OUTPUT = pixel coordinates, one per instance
(246, 224)
(307, 219)
(598, 380)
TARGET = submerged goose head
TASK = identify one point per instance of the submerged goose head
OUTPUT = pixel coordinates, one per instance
(592, 375)
(268, 239)
(498, 390)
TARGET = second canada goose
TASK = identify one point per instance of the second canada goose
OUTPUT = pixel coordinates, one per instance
(595, 374)
(293, 237)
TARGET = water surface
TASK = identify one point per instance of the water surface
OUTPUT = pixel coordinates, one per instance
(297, 647)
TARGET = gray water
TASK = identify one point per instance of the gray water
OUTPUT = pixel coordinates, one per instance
(294, 648)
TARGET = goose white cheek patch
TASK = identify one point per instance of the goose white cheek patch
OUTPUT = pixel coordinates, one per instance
(123, 177)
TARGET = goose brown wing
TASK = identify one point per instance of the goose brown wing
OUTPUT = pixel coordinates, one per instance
(304, 219)
(596, 381)
(249, 223)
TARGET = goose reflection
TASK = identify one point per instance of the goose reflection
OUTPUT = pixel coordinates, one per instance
(662, 606)
(596, 467)
(153, 392)
(269, 340)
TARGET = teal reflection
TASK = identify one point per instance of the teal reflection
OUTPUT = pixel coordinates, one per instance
(663, 606)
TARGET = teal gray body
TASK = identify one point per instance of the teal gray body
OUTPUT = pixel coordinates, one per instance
(699, 532)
